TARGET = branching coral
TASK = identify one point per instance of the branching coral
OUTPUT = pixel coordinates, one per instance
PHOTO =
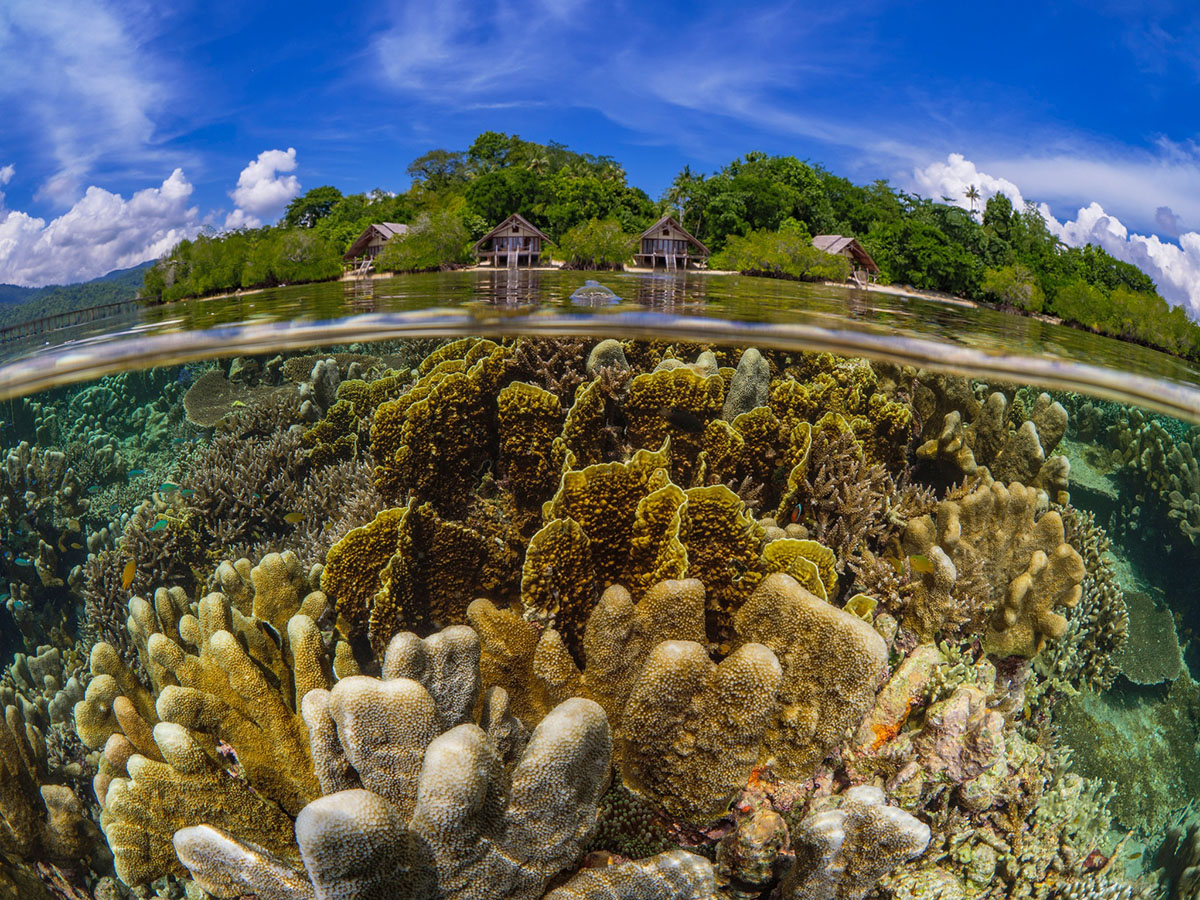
(1027, 564)
(221, 673)
(690, 730)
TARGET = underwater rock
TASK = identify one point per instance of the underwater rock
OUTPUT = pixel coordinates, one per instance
(608, 354)
(1151, 654)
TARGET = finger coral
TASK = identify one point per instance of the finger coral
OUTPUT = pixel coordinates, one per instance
(437, 814)
(1021, 550)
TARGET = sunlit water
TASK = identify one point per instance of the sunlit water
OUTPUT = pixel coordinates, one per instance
(1007, 667)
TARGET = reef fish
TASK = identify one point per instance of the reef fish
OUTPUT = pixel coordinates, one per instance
(168, 487)
(294, 518)
(127, 574)
(136, 473)
(161, 523)
(920, 564)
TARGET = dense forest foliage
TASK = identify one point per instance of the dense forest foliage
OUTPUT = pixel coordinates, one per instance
(755, 214)
(26, 304)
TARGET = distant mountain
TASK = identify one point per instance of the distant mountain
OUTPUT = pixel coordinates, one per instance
(12, 293)
(20, 304)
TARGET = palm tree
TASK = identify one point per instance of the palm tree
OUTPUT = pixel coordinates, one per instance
(539, 164)
(972, 194)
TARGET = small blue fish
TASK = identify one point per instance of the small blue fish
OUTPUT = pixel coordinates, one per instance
(94, 489)
(161, 523)
(168, 487)
(114, 507)
(136, 473)
(22, 561)
(177, 440)
(18, 605)
(187, 492)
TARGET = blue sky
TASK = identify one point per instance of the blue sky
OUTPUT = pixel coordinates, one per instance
(130, 124)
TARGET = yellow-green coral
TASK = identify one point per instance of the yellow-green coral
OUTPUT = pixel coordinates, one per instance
(354, 567)
(1026, 566)
(529, 420)
(676, 403)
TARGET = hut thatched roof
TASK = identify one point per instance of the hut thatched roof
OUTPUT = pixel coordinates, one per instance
(385, 230)
(839, 244)
(518, 219)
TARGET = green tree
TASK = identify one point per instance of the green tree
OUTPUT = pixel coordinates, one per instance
(787, 253)
(436, 240)
(1014, 286)
(597, 244)
(997, 215)
(310, 207)
(438, 170)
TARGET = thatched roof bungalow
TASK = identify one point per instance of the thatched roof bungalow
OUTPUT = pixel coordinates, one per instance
(840, 245)
(514, 242)
(666, 244)
(371, 241)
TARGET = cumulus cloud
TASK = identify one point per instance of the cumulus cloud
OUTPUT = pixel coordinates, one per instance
(1175, 267)
(952, 178)
(102, 231)
(1167, 221)
(262, 191)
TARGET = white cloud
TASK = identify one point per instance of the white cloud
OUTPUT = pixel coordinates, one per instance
(7, 172)
(1175, 268)
(102, 231)
(952, 178)
(262, 192)
(76, 82)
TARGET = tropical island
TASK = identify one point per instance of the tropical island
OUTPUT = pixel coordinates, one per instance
(757, 215)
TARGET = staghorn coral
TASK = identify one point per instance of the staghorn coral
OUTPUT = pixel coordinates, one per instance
(845, 499)
(1026, 563)
(245, 485)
